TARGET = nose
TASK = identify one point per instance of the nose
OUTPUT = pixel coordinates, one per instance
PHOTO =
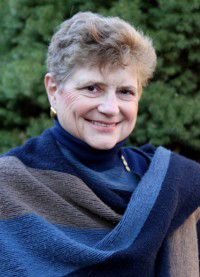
(109, 105)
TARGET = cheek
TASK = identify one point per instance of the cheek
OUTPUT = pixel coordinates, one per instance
(131, 111)
(69, 101)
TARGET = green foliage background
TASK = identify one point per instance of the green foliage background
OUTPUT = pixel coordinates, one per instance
(169, 110)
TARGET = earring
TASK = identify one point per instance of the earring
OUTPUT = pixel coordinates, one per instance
(53, 113)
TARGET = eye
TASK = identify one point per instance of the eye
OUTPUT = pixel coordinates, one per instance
(126, 92)
(92, 88)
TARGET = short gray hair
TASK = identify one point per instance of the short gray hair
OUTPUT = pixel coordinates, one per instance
(92, 39)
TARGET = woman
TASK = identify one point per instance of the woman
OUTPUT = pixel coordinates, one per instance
(74, 202)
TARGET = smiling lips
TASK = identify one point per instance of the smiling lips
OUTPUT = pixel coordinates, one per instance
(103, 124)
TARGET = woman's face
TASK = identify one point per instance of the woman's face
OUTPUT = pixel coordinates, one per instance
(98, 107)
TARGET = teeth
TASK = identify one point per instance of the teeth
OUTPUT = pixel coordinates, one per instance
(103, 124)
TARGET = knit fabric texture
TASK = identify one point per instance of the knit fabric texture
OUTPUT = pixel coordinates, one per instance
(56, 219)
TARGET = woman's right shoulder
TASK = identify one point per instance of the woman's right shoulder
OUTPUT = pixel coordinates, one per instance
(31, 149)
(40, 152)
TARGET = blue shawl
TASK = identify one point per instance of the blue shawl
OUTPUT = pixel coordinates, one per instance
(53, 224)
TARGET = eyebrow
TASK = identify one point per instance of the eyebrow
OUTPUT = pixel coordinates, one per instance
(97, 82)
(89, 82)
(131, 87)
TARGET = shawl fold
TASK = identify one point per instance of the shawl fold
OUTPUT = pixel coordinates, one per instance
(53, 224)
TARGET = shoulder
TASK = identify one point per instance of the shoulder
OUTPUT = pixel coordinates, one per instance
(31, 145)
(184, 172)
(38, 152)
(146, 151)
(187, 174)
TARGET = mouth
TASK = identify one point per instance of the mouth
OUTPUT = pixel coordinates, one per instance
(103, 124)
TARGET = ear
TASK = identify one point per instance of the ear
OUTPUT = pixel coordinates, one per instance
(51, 89)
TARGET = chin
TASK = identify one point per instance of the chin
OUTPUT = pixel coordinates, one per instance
(103, 146)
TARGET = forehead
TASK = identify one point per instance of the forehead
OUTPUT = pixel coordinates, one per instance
(110, 75)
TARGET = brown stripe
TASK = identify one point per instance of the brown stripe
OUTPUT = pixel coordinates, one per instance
(183, 250)
(58, 197)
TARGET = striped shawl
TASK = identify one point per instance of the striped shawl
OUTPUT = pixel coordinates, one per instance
(52, 224)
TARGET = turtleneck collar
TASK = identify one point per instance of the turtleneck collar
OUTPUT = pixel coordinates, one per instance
(98, 159)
